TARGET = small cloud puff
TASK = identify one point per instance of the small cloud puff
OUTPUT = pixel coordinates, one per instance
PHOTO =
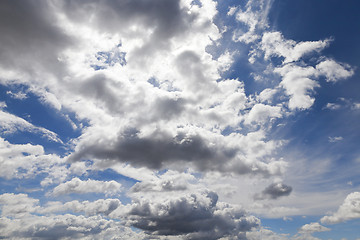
(274, 191)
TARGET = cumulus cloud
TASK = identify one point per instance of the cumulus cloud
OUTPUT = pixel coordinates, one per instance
(99, 207)
(22, 218)
(78, 186)
(27, 161)
(141, 75)
(274, 191)
(17, 205)
(334, 71)
(298, 84)
(168, 182)
(348, 210)
(313, 227)
(261, 113)
(274, 44)
(194, 216)
(65, 226)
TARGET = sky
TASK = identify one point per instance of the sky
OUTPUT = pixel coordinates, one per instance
(180, 119)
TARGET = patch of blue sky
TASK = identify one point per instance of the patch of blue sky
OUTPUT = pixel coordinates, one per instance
(290, 225)
(33, 110)
(30, 186)
(110, 58)
(348, 230)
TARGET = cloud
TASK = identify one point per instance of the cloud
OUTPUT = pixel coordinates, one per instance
(65, 226)
(261, 113)
(266, 234)
(347, 211)
(332, 106)
(27, 161)
(274, 44)
(297, 83)
(3, 105)
(335, 139)
(22, 217)
(274, 191)
(78, 186)
(17, 95)
(11, 123)
(255, 19)
(17, 205)
(156, 150)
(170, 181)
(313, 227)
(334, 71)
(103, 207)
(194, 216)
(160, 149)
(31, 33)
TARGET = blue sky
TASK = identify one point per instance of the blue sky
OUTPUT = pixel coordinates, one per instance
(179, 119)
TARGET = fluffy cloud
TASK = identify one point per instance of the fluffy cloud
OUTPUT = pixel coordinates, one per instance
(334, 71)
(78, 186)
(27, 161)
(65, 227)
(313, 227)
(193, 216)
(99, 207)
(140, 74)
(347, 211)
(17, 205)
(261, 113)
(274, 44)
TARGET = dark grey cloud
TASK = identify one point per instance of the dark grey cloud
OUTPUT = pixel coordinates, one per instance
(156, 151)
(29, 38)
(196, 216)
(274, 191)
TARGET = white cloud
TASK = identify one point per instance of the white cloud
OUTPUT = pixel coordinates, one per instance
(347, 211)
(335, 139)
(313, 227)
(274, 44)
(261, 113)
(332, 106)
(78, 186)
(17, 205)
(10, 123)
(298, 85)
(27, 161)
(17, 95)
(3, 105)
(334, 71)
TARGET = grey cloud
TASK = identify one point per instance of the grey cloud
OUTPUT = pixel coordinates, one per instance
(195, 216)
(168, 182)
(165, 18)
(274, 191)
(156, 150)
(166, 186)
(113, 96)
(29, 35)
